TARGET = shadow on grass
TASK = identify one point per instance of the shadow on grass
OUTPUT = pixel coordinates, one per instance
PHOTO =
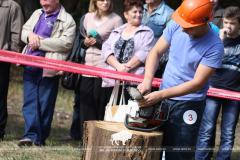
(60, 128)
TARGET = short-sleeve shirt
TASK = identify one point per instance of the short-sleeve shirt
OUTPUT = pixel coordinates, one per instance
(228, 76)
(186, 53)
(44, 29)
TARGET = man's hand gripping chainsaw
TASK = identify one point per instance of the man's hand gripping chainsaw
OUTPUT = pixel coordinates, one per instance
(146, 118)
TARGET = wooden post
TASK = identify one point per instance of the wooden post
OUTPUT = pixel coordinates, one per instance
(113, 141)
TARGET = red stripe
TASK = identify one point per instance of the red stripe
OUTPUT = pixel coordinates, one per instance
(42, 62)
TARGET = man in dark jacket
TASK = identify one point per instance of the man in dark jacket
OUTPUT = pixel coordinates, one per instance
(11, 22)
(218, 14)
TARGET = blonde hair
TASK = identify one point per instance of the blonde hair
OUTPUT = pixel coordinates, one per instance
(93, 7)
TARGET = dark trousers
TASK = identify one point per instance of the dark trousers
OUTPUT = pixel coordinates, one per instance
(4, 82)
(178, 130)
(93, 100)
(75, 127)
(40, 94)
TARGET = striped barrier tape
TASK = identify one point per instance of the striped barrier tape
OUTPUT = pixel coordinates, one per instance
(18, 58)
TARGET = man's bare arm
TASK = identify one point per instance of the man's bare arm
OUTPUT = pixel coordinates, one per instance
(201, 77)
(152, 63)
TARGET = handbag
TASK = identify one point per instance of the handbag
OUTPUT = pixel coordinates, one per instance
(113, 112)
(69, 79)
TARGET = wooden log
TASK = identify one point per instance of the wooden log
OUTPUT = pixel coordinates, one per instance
(101, 139)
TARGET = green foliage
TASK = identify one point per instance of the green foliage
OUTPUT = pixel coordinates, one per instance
(77, 8)
(82, 8)
(226, 3)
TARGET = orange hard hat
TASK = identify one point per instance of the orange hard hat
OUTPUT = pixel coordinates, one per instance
(193, 13)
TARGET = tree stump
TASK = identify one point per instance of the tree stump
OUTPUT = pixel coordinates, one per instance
(113, 141)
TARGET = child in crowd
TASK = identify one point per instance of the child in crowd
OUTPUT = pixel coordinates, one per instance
(228, 78)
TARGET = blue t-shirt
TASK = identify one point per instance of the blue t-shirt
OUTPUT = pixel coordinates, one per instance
(186, 54)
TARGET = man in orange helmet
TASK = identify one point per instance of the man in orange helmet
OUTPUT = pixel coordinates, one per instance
(195, 53)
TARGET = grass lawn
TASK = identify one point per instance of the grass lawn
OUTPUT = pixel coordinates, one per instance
(15, 126)
(60, 127)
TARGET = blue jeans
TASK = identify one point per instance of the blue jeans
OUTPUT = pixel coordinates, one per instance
(230, 113)
(75, 127)
(39, 101)
(181, 133)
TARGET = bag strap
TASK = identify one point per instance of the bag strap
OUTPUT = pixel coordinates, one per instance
(116, 92)
(122, 99)
(114, 95)
(83, 56)
(113, 98)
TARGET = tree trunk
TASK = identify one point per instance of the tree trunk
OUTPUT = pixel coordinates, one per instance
(113, 141)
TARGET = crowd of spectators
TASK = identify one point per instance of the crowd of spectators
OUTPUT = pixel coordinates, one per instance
(155, 41)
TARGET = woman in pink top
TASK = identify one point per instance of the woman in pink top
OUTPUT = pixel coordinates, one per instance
(93, 97)
(127, 47)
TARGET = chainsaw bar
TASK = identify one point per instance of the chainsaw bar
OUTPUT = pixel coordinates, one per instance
(134, 93)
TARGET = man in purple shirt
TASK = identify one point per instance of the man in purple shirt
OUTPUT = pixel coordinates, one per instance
(49, 33)
(43, 29)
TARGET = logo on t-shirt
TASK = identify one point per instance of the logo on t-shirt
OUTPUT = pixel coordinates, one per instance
(50, 24)
(231, 58)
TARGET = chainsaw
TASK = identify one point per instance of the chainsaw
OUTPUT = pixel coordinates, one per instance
(145, 119)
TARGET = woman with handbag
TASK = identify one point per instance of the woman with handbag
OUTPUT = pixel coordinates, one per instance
(93, 97)
(128, 45)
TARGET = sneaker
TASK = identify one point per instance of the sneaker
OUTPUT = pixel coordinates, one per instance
(68, 138)
(25, 142)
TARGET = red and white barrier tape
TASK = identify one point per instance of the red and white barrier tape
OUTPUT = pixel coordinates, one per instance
(13, 57)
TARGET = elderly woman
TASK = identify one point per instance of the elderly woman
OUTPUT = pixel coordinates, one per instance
(92, 96)
(128, 46)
